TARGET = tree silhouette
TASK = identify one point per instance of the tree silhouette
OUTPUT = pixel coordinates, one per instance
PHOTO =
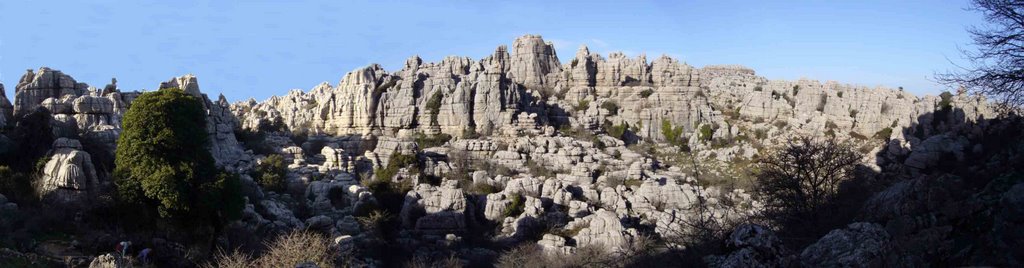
(996, 69)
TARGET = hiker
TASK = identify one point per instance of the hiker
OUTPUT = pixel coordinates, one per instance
(122, 247)
(144, 255)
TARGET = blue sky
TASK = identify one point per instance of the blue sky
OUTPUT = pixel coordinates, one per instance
(261, 48)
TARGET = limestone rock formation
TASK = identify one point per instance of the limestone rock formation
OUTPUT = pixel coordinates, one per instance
(859, 245)
(33, 88)
(69, 176)
(753, 246)
(602, 229)
(437, 209)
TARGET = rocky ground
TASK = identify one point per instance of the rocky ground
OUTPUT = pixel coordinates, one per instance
(520, 148)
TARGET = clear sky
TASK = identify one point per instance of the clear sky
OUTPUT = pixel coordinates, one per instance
(253, 48)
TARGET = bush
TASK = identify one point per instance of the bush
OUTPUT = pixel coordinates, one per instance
(15, 185)
(796, 89)
(516, 207)
(375, 222)
(803, 176)
(271, 173)
(780, 124)
(611, 106)
(831, 125)
(31, 139)
(760, 133)
(162, 161)
(482, 188)
(434, 107)
(254, 140)
(821, 103)
(672, 134)
(706, 132)
(425, 141)
(616, 131)
(884, 134)
(636, 252)
(582, 105)
(470, 133)
(389, 194)
(396, 162)
(947, 100)
(538, 170)
(646, 93)
(275, 125)
(758, 88)
(287, 250)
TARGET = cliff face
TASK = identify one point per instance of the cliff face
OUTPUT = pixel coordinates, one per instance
(530, 84)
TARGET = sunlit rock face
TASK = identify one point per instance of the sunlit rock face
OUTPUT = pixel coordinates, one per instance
(69, 177)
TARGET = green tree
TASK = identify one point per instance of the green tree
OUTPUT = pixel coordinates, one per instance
(15, 185)
(163, 163)
(30, 140)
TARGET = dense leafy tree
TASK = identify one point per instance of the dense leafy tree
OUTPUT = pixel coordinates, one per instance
(30, 139)
(15, 185)
(163, 162)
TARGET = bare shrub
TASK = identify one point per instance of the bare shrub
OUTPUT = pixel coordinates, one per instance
(805, 174)
(994, 69)
(234, 259)
(286, 250)
(527, 255)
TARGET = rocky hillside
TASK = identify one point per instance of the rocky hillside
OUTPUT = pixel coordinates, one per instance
(468, 158)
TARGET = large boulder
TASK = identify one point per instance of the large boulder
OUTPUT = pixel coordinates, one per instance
(435, 209)
(602, 229)
(69, 176)
(752, 245)
(104, 261)
(860, 244)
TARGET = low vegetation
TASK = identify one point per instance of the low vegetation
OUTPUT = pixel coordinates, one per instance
(616, 131)
(428, 141)
(433, 107)
(646, 93)
(271, 173)
(611, 106)
(706, 132)
(288, 250)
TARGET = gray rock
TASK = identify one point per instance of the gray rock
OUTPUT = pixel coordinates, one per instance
(69, 176)
(858, 245)
(435, 209)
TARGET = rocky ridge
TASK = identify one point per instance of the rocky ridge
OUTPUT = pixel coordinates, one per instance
(594, 153)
